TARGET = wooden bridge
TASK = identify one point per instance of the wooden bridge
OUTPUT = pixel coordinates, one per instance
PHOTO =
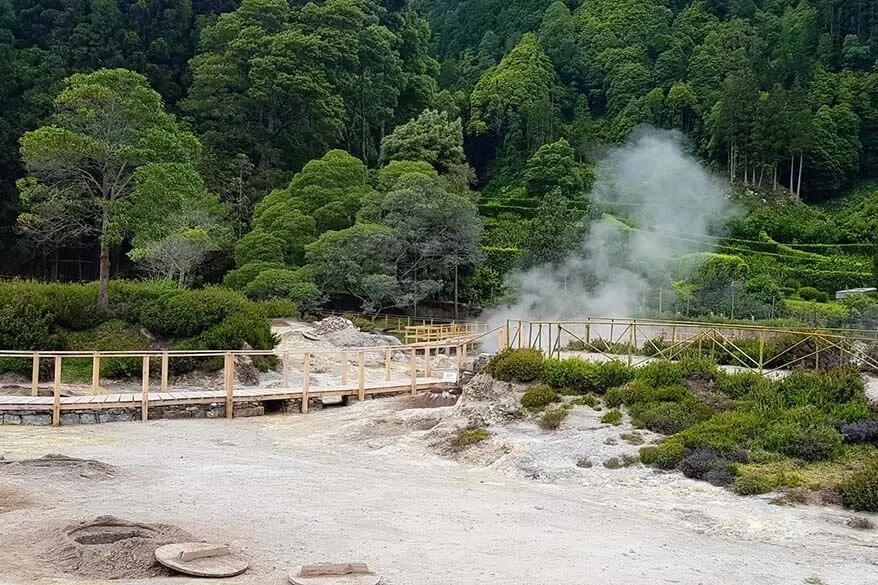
(323, 373)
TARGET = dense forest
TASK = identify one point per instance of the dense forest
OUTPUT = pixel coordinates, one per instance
(409, 152)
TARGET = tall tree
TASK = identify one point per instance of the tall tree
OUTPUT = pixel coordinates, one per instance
(105, 126)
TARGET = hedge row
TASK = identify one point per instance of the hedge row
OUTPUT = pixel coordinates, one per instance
(51, 316)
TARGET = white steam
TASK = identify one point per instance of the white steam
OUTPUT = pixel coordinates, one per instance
(653, 183)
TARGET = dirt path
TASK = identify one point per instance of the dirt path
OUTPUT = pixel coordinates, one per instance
(347, 484)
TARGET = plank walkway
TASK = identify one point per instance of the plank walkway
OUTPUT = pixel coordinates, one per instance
(186, 397)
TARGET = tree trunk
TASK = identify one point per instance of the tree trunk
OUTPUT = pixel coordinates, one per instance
(792, 173)
(455, 292)
(104, 279)
(775, 176)
(799, 185)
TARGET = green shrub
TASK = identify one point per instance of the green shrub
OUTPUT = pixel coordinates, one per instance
(752, 485)
(190, 312)
(551, 419)
(669, 418)
(573, 373)
(860, 491)
(809, 293)
(277, 309)
(738, 384)
(660, 373)
(27, 327)
(611, 374)
(665, 455)
(586, 400)
(634, 438)
(803, 433)
(612, 417)
(470, 436)
(822, 389)
(516, 365)
(638, 392)
(725, 432)
(239, 278)
(114, 335)
(849, 412)
(72, 306)
(273, 283)
(538, 397)
(584, 463)
(822, 297)
(714, 468)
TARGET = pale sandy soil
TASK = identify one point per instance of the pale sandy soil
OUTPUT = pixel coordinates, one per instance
(360, 483)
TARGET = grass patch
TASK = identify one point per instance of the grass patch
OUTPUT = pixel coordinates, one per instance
(470, 436)
(587, 400)
(584, 463)
(538, 397)
(620, 462)
(612, 417)
(552, 418)
(634, 438)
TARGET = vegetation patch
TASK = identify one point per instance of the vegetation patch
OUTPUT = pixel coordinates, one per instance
(612, 417)
(468, 437)
(538, 397)
(516, 365)
(552, 418)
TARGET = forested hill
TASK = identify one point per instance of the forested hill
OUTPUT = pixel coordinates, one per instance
(308, 144)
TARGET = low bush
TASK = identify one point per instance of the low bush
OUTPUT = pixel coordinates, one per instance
(864, 431)
(114, 335)
(277, 309)
(586, 400)
(669, 418)
(809, 293)
(637, 393)
(584, 463)
(753, 485)
(27, 327)
(634, 438)
(659, 374)
(612, 417)
(822, 389)
(802, 433)
(714, 468)
(860, 491)
(849, 412)
(666, 455)
(574, 374)
(516, 365)
(725, 432)
(738, 384)
(611, 374)
(470, 436)
(239, 278)
(538, 398)
(552, 418)
(188, 313)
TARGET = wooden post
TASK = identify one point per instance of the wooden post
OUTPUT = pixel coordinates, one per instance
(459, 356)
(230, 385)
(413, 371)
(506, 329)
(388, 359)
(673, 334)
(95, 373)
(306, 382)
(344, 368)
(588, 333)
(612, 326)
(35, 375)
(530, 331)
(144, 390)
(361, 383)
(165, 360)
(631, 334)
(56, 393)
(761, 350)
(634, 336)
(427, 371)
(816, 353)
(550, 340)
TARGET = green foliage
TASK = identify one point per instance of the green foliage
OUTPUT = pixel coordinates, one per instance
(802, 435)
(660, 373)
(516, 365)
(752, 485)
(612, 417)
(470, 436)
(669, 418)
(639, 392)
(189, 313)
(860, 490)
(259, 246)
(738, 384)
(239, 278)
(665, 455)
(809, 293)
(552, 418)
(432, 137)
(113, 335)
(538, 397)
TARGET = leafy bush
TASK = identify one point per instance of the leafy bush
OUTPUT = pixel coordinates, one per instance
(551, 419)
(190, 312)
(573, 373)
(72, 306)
(809, 293)
(738, 384)
(638, 392)
(277, 309)
(804, 434)
(660, 373)
(538, 397)
(752, 485)
(586, 400)
(665, 455)
(612, 417)
(849, 412)
(860, 491)
(725, 432)
(634, 438)
(865, 431)
(516, 365)
(611, 374)
(259, 246)
(27, 327)
(114, 335)
(470, 436)
(822, 297)
(273, 283)
(714, 468)
(620, 462)
(822, 389)
(669, 418)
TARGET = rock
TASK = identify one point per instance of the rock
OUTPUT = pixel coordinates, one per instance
(36, 419)
(87, 418)
(246, 373)
(11, 419)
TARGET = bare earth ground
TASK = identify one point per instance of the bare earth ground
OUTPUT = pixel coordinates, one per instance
(361, 484)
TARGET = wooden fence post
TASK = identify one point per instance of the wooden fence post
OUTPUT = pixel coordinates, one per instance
(761, 350)
(306, 382)
(361, 383)
(56, 393)
(144, 390)
(344, 368)
(413, 371)
(427, 371)
(35, 375)
(388, 358)
(95, 373)
(165, 364)
(230, 384)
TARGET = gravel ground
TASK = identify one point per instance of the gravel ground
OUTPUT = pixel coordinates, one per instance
(361, 484)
